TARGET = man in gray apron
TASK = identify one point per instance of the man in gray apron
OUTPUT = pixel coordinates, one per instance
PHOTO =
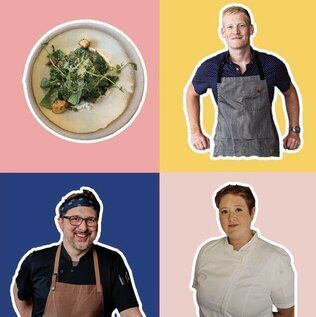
(242, 81)
(76, 277)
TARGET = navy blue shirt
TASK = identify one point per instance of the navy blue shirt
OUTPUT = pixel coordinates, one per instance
(274, 70)
(35, 275)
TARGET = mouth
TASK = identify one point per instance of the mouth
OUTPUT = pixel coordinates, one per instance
(82, 236)
(233, 225)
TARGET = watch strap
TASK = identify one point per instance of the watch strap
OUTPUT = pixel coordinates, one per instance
(295, 129)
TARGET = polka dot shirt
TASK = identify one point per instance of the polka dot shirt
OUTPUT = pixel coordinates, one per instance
(274, 69)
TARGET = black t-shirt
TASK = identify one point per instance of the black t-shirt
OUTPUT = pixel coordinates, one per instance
(34, 278)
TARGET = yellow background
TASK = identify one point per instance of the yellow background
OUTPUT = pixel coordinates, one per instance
(188, 33)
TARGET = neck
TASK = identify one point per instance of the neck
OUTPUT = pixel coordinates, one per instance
(239, 242)
(241, 56)
(75, 254)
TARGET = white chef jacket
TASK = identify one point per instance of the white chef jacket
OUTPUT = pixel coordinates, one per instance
(243, 283)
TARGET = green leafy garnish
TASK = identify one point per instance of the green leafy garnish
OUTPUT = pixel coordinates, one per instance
(81, 75)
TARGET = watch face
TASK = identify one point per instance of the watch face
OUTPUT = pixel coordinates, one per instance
(295, 129)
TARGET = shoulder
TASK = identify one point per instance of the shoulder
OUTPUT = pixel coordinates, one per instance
(211, 246)
(276, 252)
(270, 60)
(109, 254)
(212, 61)
(36, 259)
(42, 254)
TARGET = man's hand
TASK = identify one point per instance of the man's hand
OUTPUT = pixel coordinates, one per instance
(292, 141)
(200, 141)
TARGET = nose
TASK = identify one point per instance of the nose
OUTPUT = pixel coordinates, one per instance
(236, 30)
(83, 226)
(231, 216)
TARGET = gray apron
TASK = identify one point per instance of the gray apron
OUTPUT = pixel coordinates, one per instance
(245, 124)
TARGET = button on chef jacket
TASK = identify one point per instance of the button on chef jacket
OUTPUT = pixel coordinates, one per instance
(35, 276)
(243, 283)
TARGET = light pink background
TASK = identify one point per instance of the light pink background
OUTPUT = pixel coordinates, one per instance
(26, 145)
(187, 218)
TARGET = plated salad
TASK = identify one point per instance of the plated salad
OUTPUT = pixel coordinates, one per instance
(78, 77)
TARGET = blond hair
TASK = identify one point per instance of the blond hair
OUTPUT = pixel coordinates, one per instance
(237, 9)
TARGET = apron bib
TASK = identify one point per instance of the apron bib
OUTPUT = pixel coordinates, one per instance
(245, 124)
(70, 300)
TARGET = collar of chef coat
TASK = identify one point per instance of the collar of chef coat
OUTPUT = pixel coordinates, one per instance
(247, 247)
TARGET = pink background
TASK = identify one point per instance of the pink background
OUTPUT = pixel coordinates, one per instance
(26, 145)
(187, 218)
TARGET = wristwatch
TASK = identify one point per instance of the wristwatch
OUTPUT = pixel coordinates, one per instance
(295, 129)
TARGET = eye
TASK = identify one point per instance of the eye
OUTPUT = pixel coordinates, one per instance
(224, 211)
(91, 220)
(238, 209)
(74, 218)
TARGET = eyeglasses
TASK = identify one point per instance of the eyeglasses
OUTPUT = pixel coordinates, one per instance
(77, 221)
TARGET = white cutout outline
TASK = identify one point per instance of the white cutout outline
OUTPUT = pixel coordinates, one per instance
(273, 106)
(42, 39)
(252, 227)
(96, 242)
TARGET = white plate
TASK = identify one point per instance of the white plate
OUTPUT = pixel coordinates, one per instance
(104, 38)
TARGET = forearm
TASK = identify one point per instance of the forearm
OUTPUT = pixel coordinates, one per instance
(288, 312)
(131, 312)
(24, 307)
(193, 110)
(292, 106)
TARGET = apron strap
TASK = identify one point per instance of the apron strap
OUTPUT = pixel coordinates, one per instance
(260, 67)
(56, 265)
(220, 70)
(222, 63)
(96, 270)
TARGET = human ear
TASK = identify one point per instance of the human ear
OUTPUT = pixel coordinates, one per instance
(252, 213)
(252, 29)
(60, 223)
(223, 31)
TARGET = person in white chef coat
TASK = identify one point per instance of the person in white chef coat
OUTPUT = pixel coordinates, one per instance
(242, 274)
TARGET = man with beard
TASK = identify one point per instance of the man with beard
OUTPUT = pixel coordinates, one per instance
(76, 277)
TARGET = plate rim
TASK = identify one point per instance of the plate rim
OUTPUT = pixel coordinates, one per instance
(28, 90)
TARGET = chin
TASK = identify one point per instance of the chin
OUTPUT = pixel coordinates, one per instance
(237, 46)
(234, 234)
(82, 246)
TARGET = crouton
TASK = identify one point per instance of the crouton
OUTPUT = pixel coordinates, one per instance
(60, 106)
(84, 43)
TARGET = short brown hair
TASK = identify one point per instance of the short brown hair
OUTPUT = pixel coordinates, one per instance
(237, 9)
(239, 190)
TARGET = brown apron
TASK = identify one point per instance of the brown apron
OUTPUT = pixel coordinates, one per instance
(71, 300)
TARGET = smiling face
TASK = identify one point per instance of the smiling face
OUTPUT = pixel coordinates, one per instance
(235, 216)
(78, 238)
(236, 30)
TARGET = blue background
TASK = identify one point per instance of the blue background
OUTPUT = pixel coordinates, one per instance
(130, 223)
